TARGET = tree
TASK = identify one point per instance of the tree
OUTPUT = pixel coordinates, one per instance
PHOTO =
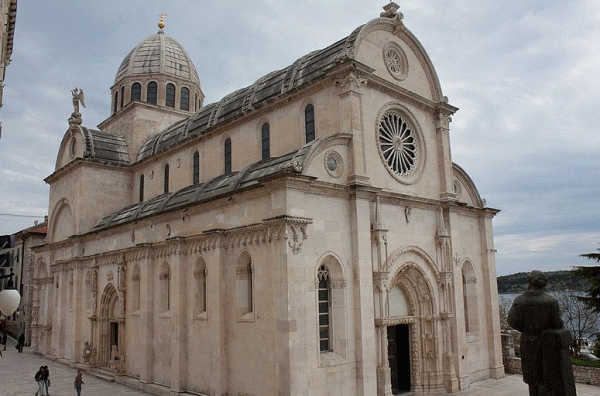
(592, 275)
(581, 320)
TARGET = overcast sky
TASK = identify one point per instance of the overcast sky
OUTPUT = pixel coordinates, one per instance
(524, 73)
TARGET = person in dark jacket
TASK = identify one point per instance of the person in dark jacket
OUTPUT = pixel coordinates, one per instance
(21, 342)
(79, 382)
(39, 378)
(46, 379)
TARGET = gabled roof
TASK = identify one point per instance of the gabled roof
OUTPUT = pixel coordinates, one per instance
(308, 68)
(211, 189)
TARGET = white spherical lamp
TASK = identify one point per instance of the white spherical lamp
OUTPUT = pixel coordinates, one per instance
(9, 301)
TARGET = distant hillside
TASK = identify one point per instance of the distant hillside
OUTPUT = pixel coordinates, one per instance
(557, 281)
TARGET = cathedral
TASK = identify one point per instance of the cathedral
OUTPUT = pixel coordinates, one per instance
(307, 235)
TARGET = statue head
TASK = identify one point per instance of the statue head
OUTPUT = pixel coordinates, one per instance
(537, 280)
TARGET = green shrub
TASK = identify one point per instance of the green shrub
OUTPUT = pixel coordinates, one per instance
(587, 363)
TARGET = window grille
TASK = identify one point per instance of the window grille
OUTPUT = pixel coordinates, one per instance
(152, 93)
(324, 301)
(184, 100)
(170, 95)
(266, 149)
(309, 123)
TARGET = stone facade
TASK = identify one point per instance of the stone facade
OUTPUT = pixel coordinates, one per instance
(8, 10)
(306, 235)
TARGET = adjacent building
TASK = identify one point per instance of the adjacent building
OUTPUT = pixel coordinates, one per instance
(8, 13)
(306, 235)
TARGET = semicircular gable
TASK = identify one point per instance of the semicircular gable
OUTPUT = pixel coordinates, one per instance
(394, 263)
(71, 146)
(317, 148)
(62, 221)
(466, 187)
(369, 49)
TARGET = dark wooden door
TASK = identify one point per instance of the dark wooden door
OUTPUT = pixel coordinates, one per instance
(399, 358)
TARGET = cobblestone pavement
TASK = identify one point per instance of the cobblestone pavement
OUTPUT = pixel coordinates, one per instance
(17, 371)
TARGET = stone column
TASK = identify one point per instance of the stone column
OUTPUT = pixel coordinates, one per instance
(445, 158)
(180, 270)
(351, 122)
(364, 319)
(146, 342)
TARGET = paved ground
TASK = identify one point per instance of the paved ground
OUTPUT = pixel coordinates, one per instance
(17, 371)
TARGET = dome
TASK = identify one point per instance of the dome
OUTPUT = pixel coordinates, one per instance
(158, 54)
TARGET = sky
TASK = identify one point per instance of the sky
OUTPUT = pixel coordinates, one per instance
(524, 74)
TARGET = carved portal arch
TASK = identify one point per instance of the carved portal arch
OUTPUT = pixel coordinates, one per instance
(111, 325)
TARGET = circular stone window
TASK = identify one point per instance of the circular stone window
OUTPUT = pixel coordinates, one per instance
(333, 163)
(395, 60)
(400, 146)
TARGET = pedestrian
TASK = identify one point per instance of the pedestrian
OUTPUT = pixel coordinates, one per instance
(21, 342)
(4, 338)
(39, 378)
(46, 377)
(79, 381)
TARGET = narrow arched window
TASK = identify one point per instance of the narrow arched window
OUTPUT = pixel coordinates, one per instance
(184, 100)
(324, 301)
(170, 95)
(135, 280)
(266, 149)
(136, 91)
(196, 168)
(152, 93)
(309, 123)
(196, 102)
(122, 96)
(470, 297)
(166, 180)
(244, 286)
(227, 152)
(141, 188)
(164, 279)
(116, 102)
(200, 291)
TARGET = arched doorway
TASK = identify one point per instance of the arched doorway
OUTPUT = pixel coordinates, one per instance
(111, 323)
(412, 342)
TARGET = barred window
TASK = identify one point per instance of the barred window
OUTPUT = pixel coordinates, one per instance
(141, 188)
(266, 149)
(309, 123)
(196, 168)
(166, 179)
(324, 301)
(184, 100)
(227, 152)
(170, 95)
(152, 93)
(136, 91)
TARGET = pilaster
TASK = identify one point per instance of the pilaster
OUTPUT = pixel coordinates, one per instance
(445, 159)
(147, 273)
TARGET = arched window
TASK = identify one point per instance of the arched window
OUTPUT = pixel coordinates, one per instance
(136, 91)
(470, 297)
(141, 188)
(227, 152)
(266, 149)
(122, 96)
(196, 168)
(135, 281)
(309, 123)
(196, 102)
(152, 93)
(116, 102)
(164, 279)
(170, 95)
(244, 286)
(184, 100)
(324, 302)
(166, 180)
(200, 292)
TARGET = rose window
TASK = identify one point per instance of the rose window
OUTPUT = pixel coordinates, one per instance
(395, 60)
(398, 144)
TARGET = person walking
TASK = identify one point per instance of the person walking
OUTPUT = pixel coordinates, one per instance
(4, 339)
(79, 381)
(21, 342)
(39, 378)
(46, 376)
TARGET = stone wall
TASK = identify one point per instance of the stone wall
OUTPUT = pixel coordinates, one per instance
(512, 365)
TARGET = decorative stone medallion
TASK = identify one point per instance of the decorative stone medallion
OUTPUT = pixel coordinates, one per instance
(334, 165)
(395, 60)
(401, 145)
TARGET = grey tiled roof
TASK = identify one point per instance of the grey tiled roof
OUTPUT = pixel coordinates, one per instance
(211, 189)
(306, 69)
(158, 54)
(105, 146)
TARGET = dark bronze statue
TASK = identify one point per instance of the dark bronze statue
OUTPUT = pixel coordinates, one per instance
(544, 342)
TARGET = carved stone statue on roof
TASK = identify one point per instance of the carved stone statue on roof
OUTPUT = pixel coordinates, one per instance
(78, 98)
(391, 11)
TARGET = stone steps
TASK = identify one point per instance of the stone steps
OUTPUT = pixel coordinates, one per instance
(103, 374)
